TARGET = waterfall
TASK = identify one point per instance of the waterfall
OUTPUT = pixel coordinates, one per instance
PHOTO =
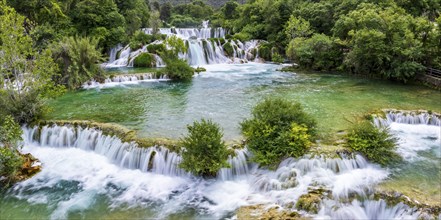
(156, 159)
(404, 117)
(120, 80)
(204, 47)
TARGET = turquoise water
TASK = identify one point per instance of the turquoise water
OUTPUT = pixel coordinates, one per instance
(226, 94)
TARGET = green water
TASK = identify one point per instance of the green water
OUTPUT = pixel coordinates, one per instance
(226, 94)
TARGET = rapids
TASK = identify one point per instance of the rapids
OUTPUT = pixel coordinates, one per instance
(88, 174)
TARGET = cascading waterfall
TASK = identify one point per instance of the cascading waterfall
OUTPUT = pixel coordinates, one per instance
(349, 179)
(204, 47)
(156, 159)
(121, 80)
(406, 117)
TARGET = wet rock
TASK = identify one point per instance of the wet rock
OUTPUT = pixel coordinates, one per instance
(262, 212)
(311, 201)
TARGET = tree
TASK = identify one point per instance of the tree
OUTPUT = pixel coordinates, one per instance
(205, 153)
(155, 22)
(381, 42)
(229, 9)
(297, 27)
(78, 58)
(166, 11)
(319, 52)
(278, 129)
(26, 76)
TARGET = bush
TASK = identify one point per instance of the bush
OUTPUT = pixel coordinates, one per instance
(144, 60)
(156, 48)
(278, 129)
(177, 69)
(205, 153)
(10, 137)
(376, 144)
(277, 58)
(265, 51)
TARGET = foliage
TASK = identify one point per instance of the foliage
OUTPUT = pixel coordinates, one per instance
(205, 153)
(78, 58)
(176, 45)
(182, 21)
(144, 60)
(376, 144)
(381, 41)
(135, 12)
(176, 68)
(156, 48)
(265, 51)
(319, 52)
(228, 48)
(165, 12)
(277, 58)
(278, 129)
(10, 138)
(297, 27)
(155, 22)
(25, 75)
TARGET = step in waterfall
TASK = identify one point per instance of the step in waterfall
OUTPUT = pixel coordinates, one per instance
(205, 46)
(347, 181)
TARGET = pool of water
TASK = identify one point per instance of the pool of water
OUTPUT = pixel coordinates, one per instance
(226, 94)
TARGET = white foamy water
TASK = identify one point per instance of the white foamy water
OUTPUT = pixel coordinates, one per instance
(83, 166)
(417, 138)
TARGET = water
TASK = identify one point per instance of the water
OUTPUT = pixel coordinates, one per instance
(204, 47)
(227, 92)
(89, 175)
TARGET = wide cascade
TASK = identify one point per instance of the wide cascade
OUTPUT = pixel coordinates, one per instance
(91, 165)
(205, 46)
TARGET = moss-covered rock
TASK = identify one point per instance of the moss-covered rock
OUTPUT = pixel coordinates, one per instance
(145, 60)
(228, 48)
(262, 212)
(200, 69)
(311, 201)
(156, 48)
(265, 51)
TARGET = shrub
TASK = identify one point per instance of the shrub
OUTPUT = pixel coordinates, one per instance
(205, 153)
(278, 129)
(144, 60)
(277, 58)
(156, 48)
(376, 144)
(176, 68)
(10, 137)
(265, 51)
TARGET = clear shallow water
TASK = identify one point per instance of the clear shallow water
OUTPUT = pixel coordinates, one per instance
(227, 92)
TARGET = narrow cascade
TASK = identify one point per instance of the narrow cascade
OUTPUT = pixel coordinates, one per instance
(156, 159)
(404, 117)
(129, 79)
(205, 47)
(240, 165)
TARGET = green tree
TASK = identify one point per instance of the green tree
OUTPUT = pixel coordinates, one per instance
(26, 76)
(155, 22)
(319, 52)
(204, 151)
(166, 11)
(297, 27)
(229, 9)
(278, 129)
(381, 42)
(78, 58)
